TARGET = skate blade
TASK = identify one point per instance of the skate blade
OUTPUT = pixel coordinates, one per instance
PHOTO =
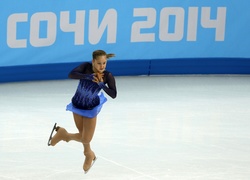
(50, 137)
(93, 162)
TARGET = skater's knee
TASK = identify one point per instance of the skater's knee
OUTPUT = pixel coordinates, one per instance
(86, 140)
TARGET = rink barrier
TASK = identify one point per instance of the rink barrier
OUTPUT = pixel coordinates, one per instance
(131, 68)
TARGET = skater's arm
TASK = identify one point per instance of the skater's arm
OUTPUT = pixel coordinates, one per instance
(111, 89)
(78, 72)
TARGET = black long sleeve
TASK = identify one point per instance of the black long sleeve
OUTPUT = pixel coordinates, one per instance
(84, 71)
(111, 89)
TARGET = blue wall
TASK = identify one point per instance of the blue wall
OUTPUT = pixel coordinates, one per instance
(130, 68)
(44, 39)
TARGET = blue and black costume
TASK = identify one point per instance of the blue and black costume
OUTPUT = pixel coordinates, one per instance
(87, 100)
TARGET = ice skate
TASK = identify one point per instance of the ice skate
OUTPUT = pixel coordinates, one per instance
(50, 137)
(61, 134)
(90, 159)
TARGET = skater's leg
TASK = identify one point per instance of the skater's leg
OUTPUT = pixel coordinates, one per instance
(88, 130)
(62, 134)
(75, 137)
(79, 125)
(78, 122)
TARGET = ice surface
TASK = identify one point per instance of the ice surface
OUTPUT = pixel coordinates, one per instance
(158, 127)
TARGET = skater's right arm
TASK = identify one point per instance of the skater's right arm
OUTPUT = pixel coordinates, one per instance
(80, 72)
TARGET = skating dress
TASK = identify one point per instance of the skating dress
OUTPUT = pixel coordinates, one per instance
(88, 100)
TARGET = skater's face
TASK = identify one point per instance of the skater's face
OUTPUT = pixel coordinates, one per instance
(99, 64)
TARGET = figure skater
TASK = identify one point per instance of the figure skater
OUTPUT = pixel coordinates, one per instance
(87, 103)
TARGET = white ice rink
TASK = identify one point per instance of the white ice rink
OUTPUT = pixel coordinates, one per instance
(158, 127)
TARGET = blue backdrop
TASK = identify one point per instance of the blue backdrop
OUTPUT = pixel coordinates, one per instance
(37, 32)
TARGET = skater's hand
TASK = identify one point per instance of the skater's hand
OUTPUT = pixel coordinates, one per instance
(98, 77)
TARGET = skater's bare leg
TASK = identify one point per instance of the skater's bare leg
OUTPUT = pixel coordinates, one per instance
(78, 122)
(83, 124)
(62, 134)
(75, 137)
(88, 130)
(89, 125)
(79, 125)
(86, 127)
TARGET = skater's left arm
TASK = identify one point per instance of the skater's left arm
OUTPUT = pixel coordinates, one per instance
(111, 89)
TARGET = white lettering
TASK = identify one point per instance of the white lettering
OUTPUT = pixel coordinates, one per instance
(109, 22)
(77, 27)
(12, 39)
(177, 34)
(136, 35)
(174, 25)
(219, 23)
(35, 20)
(164, 33)
(192, 24)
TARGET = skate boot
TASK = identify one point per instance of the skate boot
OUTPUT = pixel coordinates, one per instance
(90, 159)
(61, 134)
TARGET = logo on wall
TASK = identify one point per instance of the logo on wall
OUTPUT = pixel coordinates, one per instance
(168, 26)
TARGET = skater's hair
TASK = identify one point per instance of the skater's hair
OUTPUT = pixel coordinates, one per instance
(98, 53)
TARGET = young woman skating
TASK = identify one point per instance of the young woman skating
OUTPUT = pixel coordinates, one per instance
(87, 103)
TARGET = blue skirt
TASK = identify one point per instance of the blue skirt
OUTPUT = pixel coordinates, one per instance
(88, 113)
